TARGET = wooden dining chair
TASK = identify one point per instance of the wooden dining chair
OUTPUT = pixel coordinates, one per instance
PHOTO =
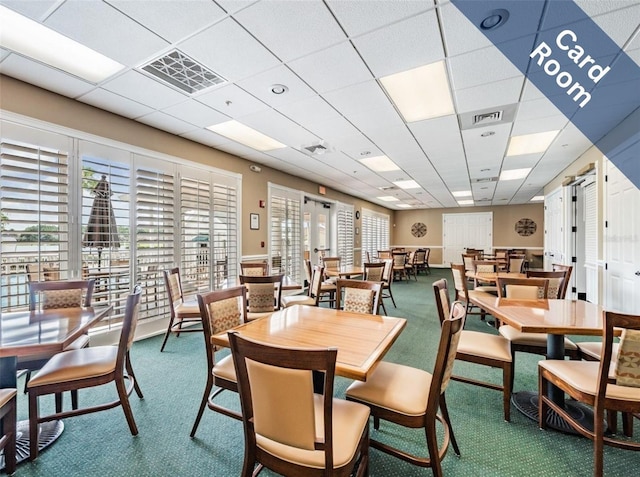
(556, 288)
(8, 428)
(360, 296)
(536, 343)
(289, 429)
(479, 348)
(374, 272)
(331, 267)
(567, 269)
(462, 291)
(50, 295)
(181, 311)
(516, 263)
(87, 368)
(264, 295)
(327, 287)
(399, 265)
(312, 298)
(591, 383)
(411, 397)
(221, 310)
(254, 269)
(484, 266)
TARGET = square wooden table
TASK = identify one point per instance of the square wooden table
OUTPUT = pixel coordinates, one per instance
(362, 340)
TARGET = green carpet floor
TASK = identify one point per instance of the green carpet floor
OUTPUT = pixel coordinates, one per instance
(173, 381)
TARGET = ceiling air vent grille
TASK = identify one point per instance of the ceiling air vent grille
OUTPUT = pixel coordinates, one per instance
(387, 188)
(182, 72)
(487, 118)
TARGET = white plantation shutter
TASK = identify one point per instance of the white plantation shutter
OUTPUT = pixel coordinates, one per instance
(195, 225)
(375, 233)
(34, 214)
(285, 218)
(344, 219)
(225, 233)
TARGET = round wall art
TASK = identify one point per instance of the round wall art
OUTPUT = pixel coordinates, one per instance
(418, 229)
(526, 227)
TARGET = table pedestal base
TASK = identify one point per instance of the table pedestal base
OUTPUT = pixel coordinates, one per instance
(49, 432)
(527, 403)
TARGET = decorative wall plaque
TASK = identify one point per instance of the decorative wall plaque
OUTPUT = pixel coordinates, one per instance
(526, 227)
(418, 229)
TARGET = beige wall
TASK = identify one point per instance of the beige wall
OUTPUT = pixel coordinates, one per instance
(27, 100)
(504, 220)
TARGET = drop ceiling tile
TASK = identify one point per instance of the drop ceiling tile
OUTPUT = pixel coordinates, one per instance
(332, 68)
(385, 51)
(551, 123)
(34, 9)
(4, 53)
(302, 27)
(376, 122)
(358, 99)
(232, 6)
(106, 30)
(40, 75)
(309, 111)
(332, 130)
(167, 123)
(109, 101)
(360, 17)
(207, 137)
(471, 69)
(196, 113)
(172, 20)
(144, 90)
(230, 40)
(356, 145)
(260, 86)
(522, 161)
(232, 101)
(485, 152)
(441, 140)
(280, 128)
(489, 95)
(460, 35)
(536, 109)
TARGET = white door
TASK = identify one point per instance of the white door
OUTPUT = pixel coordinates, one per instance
(461, 231)
(622, 239)
(317, 228)
(554, 229)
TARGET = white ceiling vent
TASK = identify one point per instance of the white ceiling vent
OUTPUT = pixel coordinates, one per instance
(484, 179)
(387, 188)
(488, 117)
(316, 149)
(178, 70)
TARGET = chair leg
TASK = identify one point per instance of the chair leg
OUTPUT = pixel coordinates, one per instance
(203, 404)
(74, 399)
(33, 425)
(432, 447)
(130, 372)
(391, 295)
(58, 398)
(445, 415)
(9, 428)
(27, 377)
(507, 389)
(126, 407)
(166, 335)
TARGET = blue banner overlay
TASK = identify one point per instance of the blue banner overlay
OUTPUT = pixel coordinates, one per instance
(575, 64)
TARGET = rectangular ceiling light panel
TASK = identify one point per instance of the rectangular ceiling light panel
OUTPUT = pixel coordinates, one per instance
(245, 135)
(462, 193)
(514, 174)
(531, 143)
(420, 93)
(388, 198)
(33, 40)
(410, 184)
(178, 70)
(380, 164)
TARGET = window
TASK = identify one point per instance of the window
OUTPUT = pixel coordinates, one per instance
(375, 233)
(285, 222)
(344, 218)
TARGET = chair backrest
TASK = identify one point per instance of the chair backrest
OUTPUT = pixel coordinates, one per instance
(485, 266)
(374, 272)
(556, 282)
(307, 270)
(523, 288)
(129, 325)
(265, 293)
(516, 263)
(467, 260)
(459, 280)
(443, 302)
(331, 263)
(254, 269)
(399, 259)
(420, 256)
(627, 371)
(567, 269)
(60, 294)
(277, 398)
(387, 273)
(173, 285)
(360, 296)
(450, 332)
(221, 310)
(315, 286)
(384, 254)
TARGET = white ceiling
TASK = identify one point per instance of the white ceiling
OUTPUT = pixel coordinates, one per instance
(330, 54)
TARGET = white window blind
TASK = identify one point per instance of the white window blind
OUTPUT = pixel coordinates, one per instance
(195, 225)
(344, 220)
(591, 224)
(286, 243)
(375, 233)
(34, 216)
(225, 234)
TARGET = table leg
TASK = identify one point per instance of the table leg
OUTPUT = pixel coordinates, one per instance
(527, 401)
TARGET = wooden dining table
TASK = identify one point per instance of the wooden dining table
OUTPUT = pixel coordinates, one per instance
(345, 271)
(362, 340)
(557, 318)
(31, 333)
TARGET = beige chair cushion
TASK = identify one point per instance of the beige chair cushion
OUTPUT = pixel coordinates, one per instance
(79, 343)
(6, 394)
(531, 339)
(298, 300)
(224, 314)
(400, 388)
(593, 349)
(482, 344)
(76, 364)
(357, 300)
(583, 375)
(62, 298)
(188, 308)
(225, 369)
(628, 369)
(349, 420)
(487, 289)
(261, 297)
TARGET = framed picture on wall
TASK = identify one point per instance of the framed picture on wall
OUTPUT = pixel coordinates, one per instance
(254, 221)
